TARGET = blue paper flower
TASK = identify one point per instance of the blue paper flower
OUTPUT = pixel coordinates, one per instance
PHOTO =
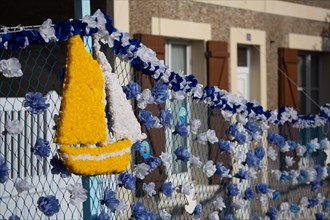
(320, 216)
(166, 118)
(316, 184)
(220, 169)
(48, 205)
(41, 148)
(126, 180)
(232, 130)
(261, 188)
(242, 174)
(259, 152)
(251, 160)
(276, 195)
(294, 208)
(138, 211)
(136, 146)
(167, 189)
(326, 205)
(292, 144)
(248, 194)
(102, 216)
(35, 102)
(303, 175)
(319, 171)
(232, 189)
(182, 153)
(151, 216)
(146, 118)
(153, 162)
(131, 90)
(224, 145)
(312, 202)
(14, 217)
(4, 171)
(251, 128)
(285, 177)
(255, 218)
(240, 138)
(272, 213)
(58, 167)
(109, 199)
(229, 217)
(197, 211)
(274, 138)
(181, 129)
(159, 92)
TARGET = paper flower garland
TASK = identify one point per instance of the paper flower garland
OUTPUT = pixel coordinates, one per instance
(13, 127)
(4, 171)
(11, 68)
(48, 205)
(35, 103)
(78, 193)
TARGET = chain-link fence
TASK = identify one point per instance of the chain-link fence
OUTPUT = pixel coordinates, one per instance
(43, 68)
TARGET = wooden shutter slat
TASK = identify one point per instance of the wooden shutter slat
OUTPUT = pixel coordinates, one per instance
(217, 75)
(288, 96)
(156, 137)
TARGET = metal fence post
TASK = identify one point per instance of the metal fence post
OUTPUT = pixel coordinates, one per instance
(91, 205)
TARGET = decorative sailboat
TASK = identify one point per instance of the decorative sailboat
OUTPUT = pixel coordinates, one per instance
(87, 145)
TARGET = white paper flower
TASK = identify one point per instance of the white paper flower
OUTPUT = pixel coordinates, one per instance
(312, 174)
(11, 68)
(144, 99)
(237, 154)
(187, 189)
(209, 136)
(165, 215)
(141, 170)
(271, 153)
(47, 32)
(23, 185)
(263, 200)
(252, 173)
(227, 115)
(289, 161)
(195, 162)
(91, 22)
(13, 127)
(100, 19)
(202, 138)
(194, 125)
(166, 159)
(122, 206)
(277, 174)
(214, 216)
(149, 188)
(78, 193)
(179, 95)
(285, 207)
(239, 204)
(300, 150)
(219, 204)
(285, 148)
(157, 123)
(209, 168)
(304, 202)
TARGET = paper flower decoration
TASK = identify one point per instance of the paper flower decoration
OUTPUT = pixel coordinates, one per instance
(166, 118)
(224, 145)
(181, 129)
(219, 204)
(47, 32)
(195, 125)
(126, 180)
(35, 103)
(136, 146)
(209, 168)
(153, 162)
(13, 127)
(144, 99)
(147, 119)
(214, 216)
(159, 92)
(131, 90)
(11, 68)
(209, 136)
(229, 217)
(138, 211)
(109, 199)
(166, 159)
(149, 188)
(262, 188)
(22, 185)
(14, 217)
(141, 170)
(167, 189)
(195, 162)
(272, 213)
(4, 171)
(187, 189)
(232, 189)
(165, 215)
(182, 153)
(103, 216)
(248, 194)
(48, 205)
(58, 167)
(197, 211)
(41, 148)
(78, 193)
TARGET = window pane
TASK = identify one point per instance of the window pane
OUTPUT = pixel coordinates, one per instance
(315, 72)
(301, 71)
(315, 97)
(242, 59)
(178, 58)
(302, 103)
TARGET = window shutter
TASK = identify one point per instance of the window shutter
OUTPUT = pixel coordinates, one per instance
(156, 137)
(288, 96)
(217, 75)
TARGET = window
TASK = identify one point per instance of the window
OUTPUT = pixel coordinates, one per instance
(243, 71)
(178, 59)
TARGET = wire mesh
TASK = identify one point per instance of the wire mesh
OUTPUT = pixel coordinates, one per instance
(43, 68)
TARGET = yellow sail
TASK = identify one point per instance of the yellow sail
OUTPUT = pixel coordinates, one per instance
(82, 115)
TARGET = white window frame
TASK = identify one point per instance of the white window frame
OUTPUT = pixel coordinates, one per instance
(177, 178)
